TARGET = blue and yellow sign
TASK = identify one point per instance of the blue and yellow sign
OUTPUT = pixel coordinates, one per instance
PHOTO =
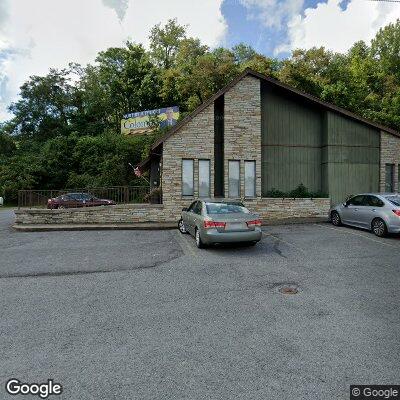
(139, 122)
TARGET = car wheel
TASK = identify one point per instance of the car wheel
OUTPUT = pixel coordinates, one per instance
(379, 227)
(181, 227)
(335, 218)
(61, 207)
(199, 242)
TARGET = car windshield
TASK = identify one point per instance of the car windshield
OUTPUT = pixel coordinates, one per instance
(226, 208)
(395, 200)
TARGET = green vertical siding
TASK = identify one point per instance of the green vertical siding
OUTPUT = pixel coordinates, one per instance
(324, 150)
(291, 142)
(351, 157)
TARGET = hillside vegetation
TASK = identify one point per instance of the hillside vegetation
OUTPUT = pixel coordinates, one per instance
(65, 129)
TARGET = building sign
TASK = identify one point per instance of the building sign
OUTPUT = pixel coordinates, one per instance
(139, 122)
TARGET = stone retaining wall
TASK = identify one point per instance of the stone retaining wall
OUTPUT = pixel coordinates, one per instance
(267, 208)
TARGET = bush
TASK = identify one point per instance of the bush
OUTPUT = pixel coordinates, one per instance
(300, 192)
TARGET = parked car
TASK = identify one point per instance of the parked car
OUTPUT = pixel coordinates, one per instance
(72, 200)
(220, 222)
(1, 201)
(378, 212)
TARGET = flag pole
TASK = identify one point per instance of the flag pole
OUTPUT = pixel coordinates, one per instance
(137, 172)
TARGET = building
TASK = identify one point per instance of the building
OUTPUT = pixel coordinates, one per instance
(258, 134)
(254, 136)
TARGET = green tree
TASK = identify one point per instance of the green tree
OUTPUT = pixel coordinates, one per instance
(243, 53)
(46, 106)
(385, 47)
(165, 41)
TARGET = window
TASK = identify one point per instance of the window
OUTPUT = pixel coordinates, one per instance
(389, 178)
(234, 179)
(190, 209)
(187, 178)
(204, 178)
(374, 201)
(357, 201)
(395, 200)
(250, 179)
(226, 208)
(197, 208)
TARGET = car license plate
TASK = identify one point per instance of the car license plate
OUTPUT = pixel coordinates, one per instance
(232, 226)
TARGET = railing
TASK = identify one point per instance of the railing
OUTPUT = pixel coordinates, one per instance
(116, 194)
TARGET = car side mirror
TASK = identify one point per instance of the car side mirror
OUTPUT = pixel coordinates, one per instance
(346, 204)
(184, 209)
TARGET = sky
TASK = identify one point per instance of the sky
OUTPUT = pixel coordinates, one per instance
(42, 34)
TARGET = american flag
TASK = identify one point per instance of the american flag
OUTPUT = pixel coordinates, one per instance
(137, 172)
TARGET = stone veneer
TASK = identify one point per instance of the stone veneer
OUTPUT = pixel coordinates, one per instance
(269, 209)
(242, 130)
(390, 154)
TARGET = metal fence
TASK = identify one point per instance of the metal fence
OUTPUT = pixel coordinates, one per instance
(117, 194)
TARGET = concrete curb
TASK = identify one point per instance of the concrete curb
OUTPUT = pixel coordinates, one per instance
(141, 226)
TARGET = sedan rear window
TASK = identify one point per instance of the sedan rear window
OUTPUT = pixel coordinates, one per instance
(226, 208)
(395, 200)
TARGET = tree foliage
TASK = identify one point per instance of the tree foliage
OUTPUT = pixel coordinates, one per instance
(65, 126)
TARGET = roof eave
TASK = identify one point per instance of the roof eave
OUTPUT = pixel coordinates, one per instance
(277, 83)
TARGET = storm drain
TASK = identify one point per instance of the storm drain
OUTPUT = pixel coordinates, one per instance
(288, 289)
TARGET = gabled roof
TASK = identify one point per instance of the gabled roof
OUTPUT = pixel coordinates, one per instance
(274, 82)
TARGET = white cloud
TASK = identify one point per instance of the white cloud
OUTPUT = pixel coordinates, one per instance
(272, 13)
(37, 35)
(336, 29)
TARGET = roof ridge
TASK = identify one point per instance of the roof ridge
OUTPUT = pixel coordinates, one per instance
(276, 82)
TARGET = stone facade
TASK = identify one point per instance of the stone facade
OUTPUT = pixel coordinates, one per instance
(269, 209)
(390, 154)
(120, 214)
(242, 129)
(195, 141)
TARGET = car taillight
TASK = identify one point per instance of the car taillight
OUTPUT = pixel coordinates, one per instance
(397, 212)
(213, 224)
(256, 222)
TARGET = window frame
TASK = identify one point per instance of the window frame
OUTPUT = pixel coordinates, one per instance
(209, 178)
(254, 179)
(229, 180)
(392, 183)
(192, 160)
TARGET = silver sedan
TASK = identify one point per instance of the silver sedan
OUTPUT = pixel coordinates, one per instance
(378, 212)
(220, 222)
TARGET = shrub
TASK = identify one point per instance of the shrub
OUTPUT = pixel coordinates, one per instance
(300, 192)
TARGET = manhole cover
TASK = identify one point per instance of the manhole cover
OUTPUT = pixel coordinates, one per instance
(288, 290)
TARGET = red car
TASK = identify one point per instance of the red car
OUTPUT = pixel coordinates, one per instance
(73, 200)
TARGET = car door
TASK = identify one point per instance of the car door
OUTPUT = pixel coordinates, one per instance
(188, 218)
(351, 213)
(371, 210)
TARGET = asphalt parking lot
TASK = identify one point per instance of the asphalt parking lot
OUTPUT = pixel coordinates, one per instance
(146, 315)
